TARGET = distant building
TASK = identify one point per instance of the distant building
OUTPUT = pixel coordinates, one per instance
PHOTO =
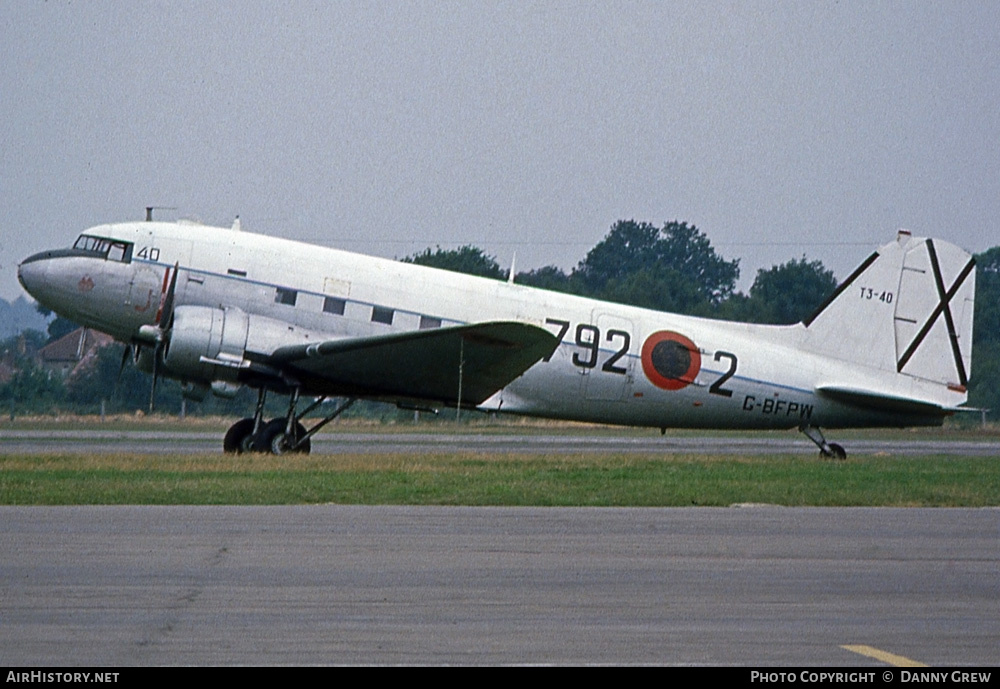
(73, 353)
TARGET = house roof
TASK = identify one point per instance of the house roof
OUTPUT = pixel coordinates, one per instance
(76, 349)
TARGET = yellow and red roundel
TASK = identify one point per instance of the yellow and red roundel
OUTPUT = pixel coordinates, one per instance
(670, 360)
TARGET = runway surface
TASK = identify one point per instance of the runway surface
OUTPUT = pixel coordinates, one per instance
(761, 586)
(30, 441)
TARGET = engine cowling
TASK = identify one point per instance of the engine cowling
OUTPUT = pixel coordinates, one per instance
(201, 333)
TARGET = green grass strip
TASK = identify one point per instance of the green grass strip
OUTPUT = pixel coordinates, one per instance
(498, 479)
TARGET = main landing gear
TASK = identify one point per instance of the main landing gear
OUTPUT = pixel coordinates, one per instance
(826, 450)
(279, 435)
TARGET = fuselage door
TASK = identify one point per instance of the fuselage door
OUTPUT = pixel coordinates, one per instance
(144, 291)
(611, 378)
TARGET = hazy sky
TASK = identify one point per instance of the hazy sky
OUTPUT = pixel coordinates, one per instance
(778, 128)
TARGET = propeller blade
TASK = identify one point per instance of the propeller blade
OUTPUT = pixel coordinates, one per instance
(156, 374)
(165, 310)
(116, 390)
(164, 317)
(121, 366)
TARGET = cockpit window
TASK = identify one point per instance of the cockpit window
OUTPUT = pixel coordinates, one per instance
(109, 249)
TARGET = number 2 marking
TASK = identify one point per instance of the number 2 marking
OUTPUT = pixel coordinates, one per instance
(716, 387)
(609, 365)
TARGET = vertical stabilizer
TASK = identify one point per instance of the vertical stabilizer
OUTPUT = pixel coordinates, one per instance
(907, 309)
(934, 313)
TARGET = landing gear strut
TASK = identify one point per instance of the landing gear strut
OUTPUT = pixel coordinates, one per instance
(826, 450)
(241, 435)
(279, 435)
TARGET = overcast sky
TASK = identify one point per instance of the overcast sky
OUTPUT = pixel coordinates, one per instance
(779, 129)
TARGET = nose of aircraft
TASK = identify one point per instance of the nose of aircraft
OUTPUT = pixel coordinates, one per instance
(31, 273)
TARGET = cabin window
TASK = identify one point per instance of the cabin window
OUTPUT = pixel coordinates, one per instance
(117, 252)
(101, 247)
(285, 296)
(427, 323)
(94, 245)
(382, 315)
(334, 305)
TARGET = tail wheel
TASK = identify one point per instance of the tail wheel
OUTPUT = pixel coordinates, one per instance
(836, 452)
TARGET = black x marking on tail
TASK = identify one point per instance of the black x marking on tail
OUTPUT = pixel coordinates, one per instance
(944, 306)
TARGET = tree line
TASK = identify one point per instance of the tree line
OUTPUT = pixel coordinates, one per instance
(669, 268)
(675, 268)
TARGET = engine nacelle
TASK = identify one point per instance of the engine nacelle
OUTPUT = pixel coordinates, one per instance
(206, 343)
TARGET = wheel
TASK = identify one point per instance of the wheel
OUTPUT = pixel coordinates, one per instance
(262, 441)
(272, 439)
(836, 452)
(238, 438)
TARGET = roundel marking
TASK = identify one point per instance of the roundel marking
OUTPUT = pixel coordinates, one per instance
(670, 360)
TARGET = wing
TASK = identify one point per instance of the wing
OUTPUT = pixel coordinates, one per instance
(464, 363)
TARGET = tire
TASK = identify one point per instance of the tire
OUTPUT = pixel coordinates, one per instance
(238, 438)
(272, 439)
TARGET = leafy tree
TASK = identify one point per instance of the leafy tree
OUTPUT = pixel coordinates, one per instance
(790, 292)
(97, 382)
(19, 315)
(22, 346)
(31, 388)
(657, 287)
(688, 250)
(467, 259)
(984, 383)
(60, 327)
(628, 248)
(122, 389)
(548, 277)
(986, 319)
(636, 259)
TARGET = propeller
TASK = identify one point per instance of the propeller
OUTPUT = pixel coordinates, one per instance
(164, 320)
(157, 334)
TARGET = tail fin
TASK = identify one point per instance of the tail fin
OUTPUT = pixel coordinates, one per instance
(907, 309)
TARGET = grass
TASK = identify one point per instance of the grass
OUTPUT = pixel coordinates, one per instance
(498, 479)
(491, 479)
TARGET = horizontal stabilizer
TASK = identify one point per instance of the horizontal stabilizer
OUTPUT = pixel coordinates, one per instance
(878, 401)
(465, 364)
